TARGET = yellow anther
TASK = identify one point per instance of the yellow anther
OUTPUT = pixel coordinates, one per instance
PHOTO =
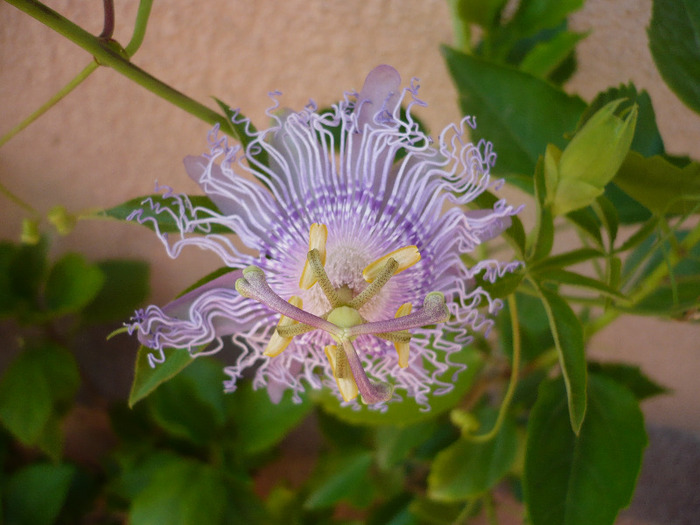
(406, 257)
(341, 372)
(318, 234)
(277, 344)
(403, 348)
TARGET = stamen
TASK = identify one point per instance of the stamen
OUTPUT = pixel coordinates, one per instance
(294, 330)
(313, 259)
(277, 343)
(371, 392)
(390, 268)
(406, 257)
(341, 372)
(318, 234)
(402, 348)
(253, 285)
(434, 311)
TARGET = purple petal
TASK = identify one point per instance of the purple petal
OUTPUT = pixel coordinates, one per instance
(381, 92)
(199, 317)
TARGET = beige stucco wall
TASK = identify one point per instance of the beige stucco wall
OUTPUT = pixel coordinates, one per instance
(110, 139)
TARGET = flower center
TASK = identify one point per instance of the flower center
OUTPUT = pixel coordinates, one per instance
(344, 321)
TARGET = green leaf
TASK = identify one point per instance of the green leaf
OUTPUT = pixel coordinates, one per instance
(191, 405)
(546, 56)
(261, 423)
(40, 382)
(165, 220)
(588, 223)
(484, 13)
(393, 443)
(126, 286)
(182, 492)
(517, 111)
(566, 259)
(659, 185)
(35, 494)
(679, 299)
(568, 339)
(72, 284)
(674, 40)
(584, 479)
(340, 478)
(407, 411)
(466, 469)
(631, 377)
(147, 378)
(560, 276)
(535, 15)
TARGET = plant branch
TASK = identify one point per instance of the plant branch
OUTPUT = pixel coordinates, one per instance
(108, 54)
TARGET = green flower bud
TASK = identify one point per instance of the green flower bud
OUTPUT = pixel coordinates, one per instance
(578, 175)
(62, 220)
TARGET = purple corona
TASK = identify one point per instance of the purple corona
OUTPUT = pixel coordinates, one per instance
(358, 221)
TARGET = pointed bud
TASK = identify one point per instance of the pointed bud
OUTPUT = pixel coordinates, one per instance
(579, 174)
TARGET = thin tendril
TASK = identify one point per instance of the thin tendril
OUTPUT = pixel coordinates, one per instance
(512, 383)
(108, 28)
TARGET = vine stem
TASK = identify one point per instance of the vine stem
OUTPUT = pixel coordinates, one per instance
(55, 99)
(108, 54)
(651, 282)
(142, 15)
(512, 382)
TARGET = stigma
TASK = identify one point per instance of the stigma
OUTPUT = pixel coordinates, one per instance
(343, 321)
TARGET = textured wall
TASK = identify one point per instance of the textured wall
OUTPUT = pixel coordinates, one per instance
(110, 139)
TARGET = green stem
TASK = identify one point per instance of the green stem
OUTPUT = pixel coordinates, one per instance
(463, 517)
(19, 202)
(513, 381)
(106, 54)
(133, 46)
(55, 99)
(651, 282)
